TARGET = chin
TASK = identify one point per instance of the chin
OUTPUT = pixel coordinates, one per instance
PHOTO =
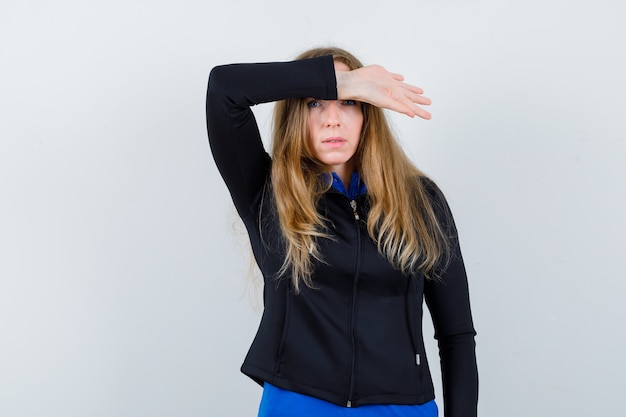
(335, 162)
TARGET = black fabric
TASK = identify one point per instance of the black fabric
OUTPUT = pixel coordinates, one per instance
(356, 336)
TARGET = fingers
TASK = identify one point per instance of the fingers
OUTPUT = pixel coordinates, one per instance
(413, 102)
(419, 99)
(407, 102)
(412, 108)
(412, 99)
(420, 112)
(413, 89)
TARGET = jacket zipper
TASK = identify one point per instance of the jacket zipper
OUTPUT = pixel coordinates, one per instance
(353, 205)
(354, 210)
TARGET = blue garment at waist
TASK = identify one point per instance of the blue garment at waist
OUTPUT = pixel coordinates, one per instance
(277, 402)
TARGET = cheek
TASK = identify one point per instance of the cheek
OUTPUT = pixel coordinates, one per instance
(358, 122)
(310, 141)
(312, 121)
(310, 132)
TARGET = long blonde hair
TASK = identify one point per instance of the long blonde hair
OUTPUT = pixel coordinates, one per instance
(401, 220)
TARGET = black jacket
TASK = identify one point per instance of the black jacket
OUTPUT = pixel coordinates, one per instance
(357, 337)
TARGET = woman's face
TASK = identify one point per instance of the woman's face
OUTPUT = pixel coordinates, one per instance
(335, 130)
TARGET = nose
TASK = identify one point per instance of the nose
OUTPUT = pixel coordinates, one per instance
(332, 115)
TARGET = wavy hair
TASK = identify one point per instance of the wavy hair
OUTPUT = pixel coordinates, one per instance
(401, 220)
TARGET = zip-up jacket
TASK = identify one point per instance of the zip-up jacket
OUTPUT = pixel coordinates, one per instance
(356, 337)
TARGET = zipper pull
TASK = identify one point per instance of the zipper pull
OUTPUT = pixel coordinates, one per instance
(349, 405)
(356, 213)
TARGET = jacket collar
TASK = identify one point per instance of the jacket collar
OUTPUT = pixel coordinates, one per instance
(355, 188)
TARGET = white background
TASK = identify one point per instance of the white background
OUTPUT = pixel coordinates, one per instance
(123, 268)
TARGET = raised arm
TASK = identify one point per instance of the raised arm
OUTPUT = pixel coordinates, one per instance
(233, 89)
(449, 305)
(233, 133)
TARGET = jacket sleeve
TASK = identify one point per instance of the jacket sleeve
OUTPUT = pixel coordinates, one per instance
(233, 133)
(448, 301)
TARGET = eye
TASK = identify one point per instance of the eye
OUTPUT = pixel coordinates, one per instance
(312, 104)
(350, 103)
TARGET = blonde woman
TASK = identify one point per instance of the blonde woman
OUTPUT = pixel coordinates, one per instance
(350, 238)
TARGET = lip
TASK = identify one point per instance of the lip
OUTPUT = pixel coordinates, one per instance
(334, 141)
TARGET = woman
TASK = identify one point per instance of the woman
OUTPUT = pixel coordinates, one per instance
(350, 238)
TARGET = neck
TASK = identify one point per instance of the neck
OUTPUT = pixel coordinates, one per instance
(344, 172)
